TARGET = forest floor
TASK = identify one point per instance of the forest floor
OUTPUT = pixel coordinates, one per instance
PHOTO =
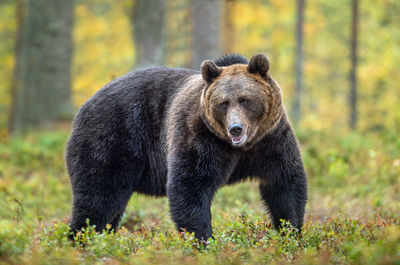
(353, 213)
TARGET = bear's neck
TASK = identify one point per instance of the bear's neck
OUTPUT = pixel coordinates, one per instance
(209, 124)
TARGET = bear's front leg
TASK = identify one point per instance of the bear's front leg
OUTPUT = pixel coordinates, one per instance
(285, 201)
(192, 182)
(283, 186)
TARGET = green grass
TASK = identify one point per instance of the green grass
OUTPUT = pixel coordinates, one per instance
(353, 213)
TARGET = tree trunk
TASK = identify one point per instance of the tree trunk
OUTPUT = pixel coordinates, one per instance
(296, 106)
(44, 65)
(149, 27)
(20, 14)
(353, 71)
(206, 29)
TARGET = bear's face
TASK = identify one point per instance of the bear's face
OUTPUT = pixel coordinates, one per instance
(241, 102)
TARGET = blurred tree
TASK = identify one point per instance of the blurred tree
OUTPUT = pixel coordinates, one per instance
(206, 30)
(42, 86)
(104, 51)
(296, 106)
(353, 70)
(149, 23)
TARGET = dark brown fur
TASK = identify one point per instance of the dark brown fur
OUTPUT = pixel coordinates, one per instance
(159, 132)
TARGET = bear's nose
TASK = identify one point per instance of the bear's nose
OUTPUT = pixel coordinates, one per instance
(235, 129)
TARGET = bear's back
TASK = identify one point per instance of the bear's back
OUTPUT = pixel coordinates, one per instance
(123, 122)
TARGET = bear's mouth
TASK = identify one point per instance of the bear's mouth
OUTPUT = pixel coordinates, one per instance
(239, 139)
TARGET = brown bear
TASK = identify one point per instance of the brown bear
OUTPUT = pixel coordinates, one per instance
(184, 134)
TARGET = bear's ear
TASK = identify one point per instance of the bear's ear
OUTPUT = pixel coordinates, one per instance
(259, 64)
(210, 71)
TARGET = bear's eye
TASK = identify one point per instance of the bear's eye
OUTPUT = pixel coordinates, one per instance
(244, 101)
(224, 104)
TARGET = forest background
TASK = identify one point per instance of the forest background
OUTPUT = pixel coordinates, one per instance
(337, 62)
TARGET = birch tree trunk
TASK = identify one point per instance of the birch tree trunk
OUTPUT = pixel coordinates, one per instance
(296, 106)
(353, 71)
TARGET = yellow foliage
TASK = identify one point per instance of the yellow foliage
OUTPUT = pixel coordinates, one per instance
(7, 37)
(103, 49)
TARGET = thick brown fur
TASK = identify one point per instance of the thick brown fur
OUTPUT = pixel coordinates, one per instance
(267, 89)
(185, 134)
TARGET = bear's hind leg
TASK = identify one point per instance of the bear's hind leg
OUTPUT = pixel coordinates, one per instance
(115, 222)
(102, 200)
(100, 210)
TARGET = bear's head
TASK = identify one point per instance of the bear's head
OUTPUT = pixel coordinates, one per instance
(241, 103)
